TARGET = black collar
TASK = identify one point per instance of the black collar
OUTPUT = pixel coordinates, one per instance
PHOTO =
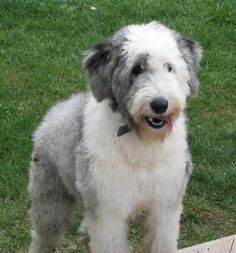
(122, 130)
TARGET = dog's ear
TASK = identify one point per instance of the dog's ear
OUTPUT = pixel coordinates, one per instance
(192, 54)
(100, 62)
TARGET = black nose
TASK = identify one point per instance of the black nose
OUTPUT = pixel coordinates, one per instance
(159, 105)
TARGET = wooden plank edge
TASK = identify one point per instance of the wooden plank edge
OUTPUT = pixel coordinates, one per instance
(196, 248)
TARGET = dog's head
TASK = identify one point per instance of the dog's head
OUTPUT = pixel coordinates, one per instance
(147, 71)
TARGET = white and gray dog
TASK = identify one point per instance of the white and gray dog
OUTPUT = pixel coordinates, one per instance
(121, 149)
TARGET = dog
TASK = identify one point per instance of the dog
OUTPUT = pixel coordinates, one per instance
(120, 149)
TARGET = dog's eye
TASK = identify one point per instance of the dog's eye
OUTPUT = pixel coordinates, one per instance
(169, 67)
(137, 70)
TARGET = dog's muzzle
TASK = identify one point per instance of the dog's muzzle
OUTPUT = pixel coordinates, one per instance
(159, 106)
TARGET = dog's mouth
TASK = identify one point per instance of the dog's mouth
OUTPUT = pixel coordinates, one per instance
(159, 122)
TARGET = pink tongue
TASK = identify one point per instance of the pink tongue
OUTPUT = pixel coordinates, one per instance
(167, 119)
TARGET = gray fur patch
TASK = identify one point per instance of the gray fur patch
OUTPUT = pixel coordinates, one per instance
(189, 164)
(84, 181)
(192, 54)
(100, 63)
(125, 84)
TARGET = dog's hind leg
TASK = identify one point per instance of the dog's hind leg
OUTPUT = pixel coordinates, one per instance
(51, 209)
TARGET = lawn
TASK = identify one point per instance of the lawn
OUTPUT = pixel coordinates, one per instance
(40, 63)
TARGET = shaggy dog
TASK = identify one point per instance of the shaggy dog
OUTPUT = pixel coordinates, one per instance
(119, 150)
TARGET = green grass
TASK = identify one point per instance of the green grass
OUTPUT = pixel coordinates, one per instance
(40, 63)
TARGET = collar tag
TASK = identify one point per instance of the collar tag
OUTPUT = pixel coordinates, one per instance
(122, 130)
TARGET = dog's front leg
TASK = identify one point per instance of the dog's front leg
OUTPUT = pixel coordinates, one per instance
(108, 234)
(162, 228)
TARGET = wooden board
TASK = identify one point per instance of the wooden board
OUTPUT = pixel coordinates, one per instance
(223, 245)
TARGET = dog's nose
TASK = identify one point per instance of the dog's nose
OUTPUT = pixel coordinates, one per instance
(159, 105)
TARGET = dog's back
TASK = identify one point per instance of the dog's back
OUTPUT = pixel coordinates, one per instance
(58, 135)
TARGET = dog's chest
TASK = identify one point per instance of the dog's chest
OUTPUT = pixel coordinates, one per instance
(126, 172)
(120, 187)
